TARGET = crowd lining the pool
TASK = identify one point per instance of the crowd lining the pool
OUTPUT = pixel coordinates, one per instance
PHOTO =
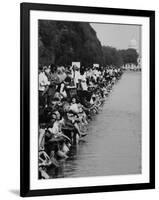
(68, 99)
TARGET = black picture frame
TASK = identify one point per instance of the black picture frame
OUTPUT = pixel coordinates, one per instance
(25, 9)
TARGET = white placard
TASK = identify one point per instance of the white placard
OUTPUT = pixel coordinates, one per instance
(96, 65)
(77, 64)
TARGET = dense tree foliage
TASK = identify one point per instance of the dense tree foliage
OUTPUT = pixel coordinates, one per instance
(111, 56)
(63, 42)
(129, 56)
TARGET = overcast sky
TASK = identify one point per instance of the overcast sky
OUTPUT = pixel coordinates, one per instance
(117, 35)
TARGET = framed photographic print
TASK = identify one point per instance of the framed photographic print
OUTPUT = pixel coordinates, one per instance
(87, 99)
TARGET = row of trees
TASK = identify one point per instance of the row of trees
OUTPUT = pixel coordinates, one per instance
(112, 56)
(62, 42)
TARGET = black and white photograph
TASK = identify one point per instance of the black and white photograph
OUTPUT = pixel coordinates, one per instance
(89, 99)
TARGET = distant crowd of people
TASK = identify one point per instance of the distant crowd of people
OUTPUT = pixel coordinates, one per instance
(68, 98)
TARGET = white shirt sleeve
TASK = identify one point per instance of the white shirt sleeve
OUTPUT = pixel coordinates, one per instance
(41, 79)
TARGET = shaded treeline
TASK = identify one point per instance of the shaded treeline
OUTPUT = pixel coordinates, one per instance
(62, 42)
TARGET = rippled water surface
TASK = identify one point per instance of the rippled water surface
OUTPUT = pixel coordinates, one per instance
(113, 143)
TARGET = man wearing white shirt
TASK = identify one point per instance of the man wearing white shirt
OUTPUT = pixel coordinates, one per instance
(43, 84)
(43, 80)
(83, 82)
(76, 75)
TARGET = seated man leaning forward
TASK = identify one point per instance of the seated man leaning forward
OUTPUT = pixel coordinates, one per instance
(72, 115)
(77, 108)
(55, 130)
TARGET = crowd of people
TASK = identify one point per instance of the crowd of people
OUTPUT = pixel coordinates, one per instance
(68, 98)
